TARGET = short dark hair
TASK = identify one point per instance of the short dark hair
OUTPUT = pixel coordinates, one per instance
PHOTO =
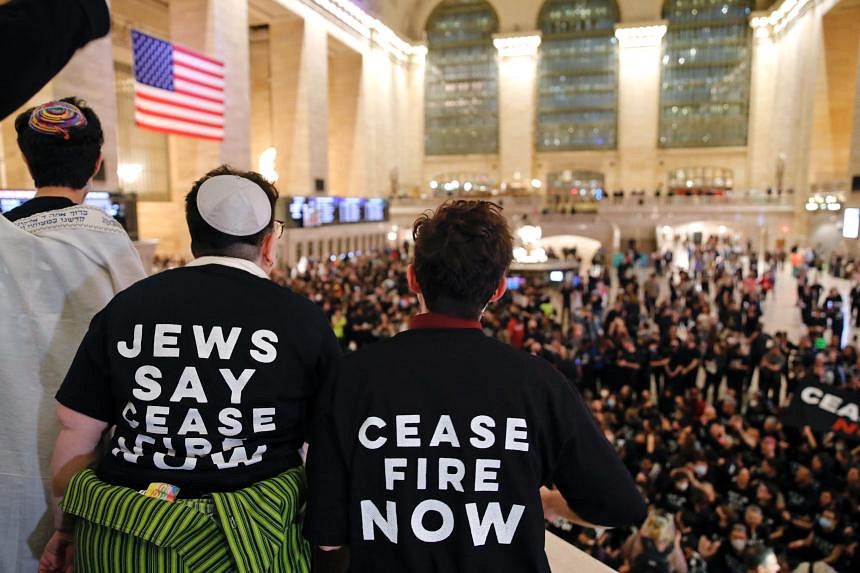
(462, 251)
(57, 161)
(206, 240)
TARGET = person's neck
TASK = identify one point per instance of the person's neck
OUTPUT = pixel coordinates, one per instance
(74, 195)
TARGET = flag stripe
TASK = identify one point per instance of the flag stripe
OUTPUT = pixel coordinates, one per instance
(185, 52)
(175, 126)
(191, 74)
(173, 131)
(170, 112)
(185, 77)
(197, 68)
(183, 87)
(180, 100)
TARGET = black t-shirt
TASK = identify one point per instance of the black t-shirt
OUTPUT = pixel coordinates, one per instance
(739, 498)
(38, 205)
(800, 501)
(824, 541)
(429, 450)
(209, 374)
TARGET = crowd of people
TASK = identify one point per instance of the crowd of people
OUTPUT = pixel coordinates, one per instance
(688, 384)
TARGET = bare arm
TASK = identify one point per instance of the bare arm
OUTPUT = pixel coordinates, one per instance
(555, 507)
(76, 448)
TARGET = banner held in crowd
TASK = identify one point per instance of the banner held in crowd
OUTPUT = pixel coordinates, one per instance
(825, 409)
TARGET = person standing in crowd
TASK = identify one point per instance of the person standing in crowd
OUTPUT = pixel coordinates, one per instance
(205, 376)
(429, 450)
(770, 372)
(60, 262)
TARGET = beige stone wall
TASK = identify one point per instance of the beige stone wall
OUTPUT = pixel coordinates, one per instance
(345, 143)
(833, 116)
(262, 135)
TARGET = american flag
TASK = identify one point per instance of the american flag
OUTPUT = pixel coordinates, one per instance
(177, 90)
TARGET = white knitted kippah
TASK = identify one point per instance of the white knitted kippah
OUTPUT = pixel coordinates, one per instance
(234, 205)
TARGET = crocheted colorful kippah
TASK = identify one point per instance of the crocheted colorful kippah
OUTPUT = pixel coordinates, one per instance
(56, 118)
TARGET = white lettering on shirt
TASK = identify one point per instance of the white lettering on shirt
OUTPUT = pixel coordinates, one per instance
(144, 377)
(264, 350)
(166, 340)
(505, 528)
(132, 351)
(516, 431)
(216, 339)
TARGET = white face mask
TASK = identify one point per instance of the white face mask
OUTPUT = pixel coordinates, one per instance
(701, 470)
(682, 486)
(739, 544)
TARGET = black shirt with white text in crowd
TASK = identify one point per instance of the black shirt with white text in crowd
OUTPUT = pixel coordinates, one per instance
(209, 374)
(429, 450)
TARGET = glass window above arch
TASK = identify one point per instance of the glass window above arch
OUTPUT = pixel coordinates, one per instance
(578, 76)
(461, 81)
(706, 73)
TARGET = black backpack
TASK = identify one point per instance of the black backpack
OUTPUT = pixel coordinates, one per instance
(651, 560)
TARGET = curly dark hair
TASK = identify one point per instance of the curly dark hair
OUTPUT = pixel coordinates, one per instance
(462, 251)
(59, 162)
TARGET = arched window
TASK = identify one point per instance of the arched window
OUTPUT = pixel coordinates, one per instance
(706, 73)
(578, 77)
(461, 83)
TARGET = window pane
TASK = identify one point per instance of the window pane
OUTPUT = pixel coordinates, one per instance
(706, 73)
(144, 166)
(578, 76)
(461, 82)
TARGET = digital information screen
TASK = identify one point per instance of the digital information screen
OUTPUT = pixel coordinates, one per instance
(349, 210)
(11, 198)
(296, 209)
(327, 207)
(374, 210)
(851, 223)
(329, 210)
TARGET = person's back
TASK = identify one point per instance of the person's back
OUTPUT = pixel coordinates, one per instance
(206, 376)
(60, 263)
(219, 361)
(430, 449)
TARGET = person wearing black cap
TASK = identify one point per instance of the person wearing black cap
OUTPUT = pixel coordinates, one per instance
(429, 449)
(207, 375)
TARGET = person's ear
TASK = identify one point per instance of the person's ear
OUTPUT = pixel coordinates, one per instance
(501, 289)
(269, 252)
(98, 166)
(412, 280)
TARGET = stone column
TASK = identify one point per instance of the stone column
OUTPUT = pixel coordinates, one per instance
(762, 167)
(299, 84)
(854, 158)
(517, 93)
(639, 75)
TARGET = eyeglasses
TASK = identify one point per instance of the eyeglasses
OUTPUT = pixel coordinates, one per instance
(279, 229)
